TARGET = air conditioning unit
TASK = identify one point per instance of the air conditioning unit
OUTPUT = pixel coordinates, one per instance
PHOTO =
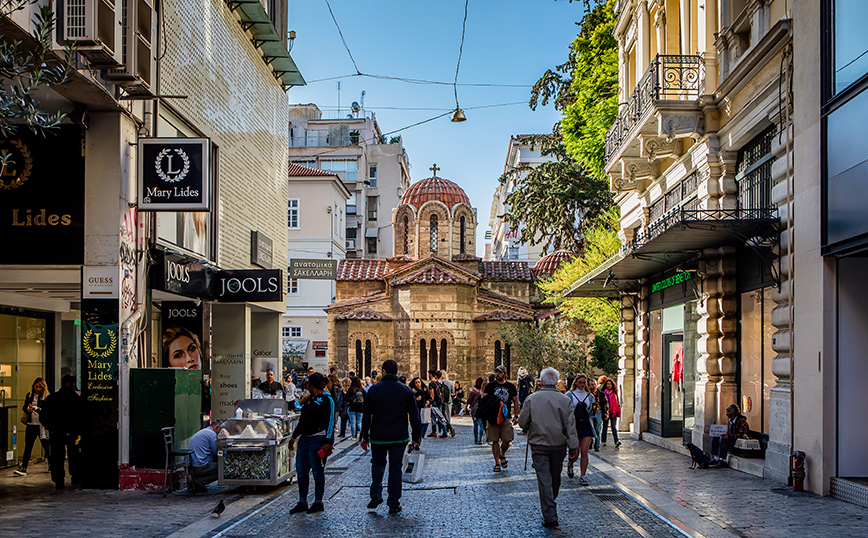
(136, 74)
(351, 244)
(95, 26)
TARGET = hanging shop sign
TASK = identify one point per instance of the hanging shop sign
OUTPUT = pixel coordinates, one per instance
(42, 197)
(179, 274)
(175, 174)
(99, 282)
(313, 269)
(247, 286)
(675, 279)
(183, 328)
(261, 250)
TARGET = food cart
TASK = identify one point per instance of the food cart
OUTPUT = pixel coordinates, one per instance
(253, 448)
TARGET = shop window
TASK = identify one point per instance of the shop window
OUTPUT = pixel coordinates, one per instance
(755, 364)
(655, 367)
(292, 220)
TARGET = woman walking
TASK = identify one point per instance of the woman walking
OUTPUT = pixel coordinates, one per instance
(613, 411)
(34, 430)
(315, 433)
(597, 417)
(579, 396)
(457, 399)
(355, 405)
(472, 404)
(423, 399)
(344, 408)
(337, 392)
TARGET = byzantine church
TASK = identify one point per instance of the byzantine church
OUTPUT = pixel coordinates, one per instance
(434, 304)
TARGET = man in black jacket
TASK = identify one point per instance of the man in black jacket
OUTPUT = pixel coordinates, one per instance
(389, 406)
(316, 434)
(63, 414)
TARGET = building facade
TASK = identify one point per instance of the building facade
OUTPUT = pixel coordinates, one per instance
(321, 197)
(375, 168)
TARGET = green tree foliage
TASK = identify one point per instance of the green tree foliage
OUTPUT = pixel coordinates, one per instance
(602, 243)
(585, 88)
(604, 350)
(545, 343)
(25, 69)
(551, 199)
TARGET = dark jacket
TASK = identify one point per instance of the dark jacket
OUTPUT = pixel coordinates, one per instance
(352, 406)
(29, 399)
(338, 395)
(63, 412)
(317, 415)
(601, 399)
(422, 397)
(389, 406)
(271, 388)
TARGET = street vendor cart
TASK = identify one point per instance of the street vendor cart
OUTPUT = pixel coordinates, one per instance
(253, 448)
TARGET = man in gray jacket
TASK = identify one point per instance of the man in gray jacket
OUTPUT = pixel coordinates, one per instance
(548, 416)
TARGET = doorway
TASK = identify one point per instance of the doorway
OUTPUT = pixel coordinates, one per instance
(673, 385)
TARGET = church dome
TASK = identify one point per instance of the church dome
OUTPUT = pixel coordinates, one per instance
(549, 264)
(435, 188)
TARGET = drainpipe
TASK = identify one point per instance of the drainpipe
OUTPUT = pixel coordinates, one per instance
(790, 238)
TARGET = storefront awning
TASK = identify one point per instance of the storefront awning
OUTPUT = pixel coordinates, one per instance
(675, 239)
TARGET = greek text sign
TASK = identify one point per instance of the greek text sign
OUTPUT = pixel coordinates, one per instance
(313, 269)
(261, 250)
(175, 174)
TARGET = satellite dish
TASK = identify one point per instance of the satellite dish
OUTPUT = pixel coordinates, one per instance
(355, 106)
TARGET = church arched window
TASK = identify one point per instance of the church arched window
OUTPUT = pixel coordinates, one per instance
(406, 233)
(423, 358)
(506, 360)
(443, 355)
(463, 234)
(434, 233)
(360, 362)
(432, 355)
(368, 358)
(498, 354)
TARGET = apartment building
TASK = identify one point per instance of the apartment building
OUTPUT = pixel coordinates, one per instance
(374, 167)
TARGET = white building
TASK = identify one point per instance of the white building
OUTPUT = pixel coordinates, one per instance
(375, 169)
(316, 197)
(505, 243)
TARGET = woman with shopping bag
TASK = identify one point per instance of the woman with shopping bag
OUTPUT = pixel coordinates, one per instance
(423, 401)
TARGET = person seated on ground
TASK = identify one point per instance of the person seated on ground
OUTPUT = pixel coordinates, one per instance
(204, 458)
(270, 386)
(737, 428)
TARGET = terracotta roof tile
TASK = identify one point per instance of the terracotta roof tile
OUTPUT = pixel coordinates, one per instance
(361, 269)
(379, 296)
(432, 275)
(435, 188)
(503, 315)
(547, 265)
(466, 258)
(503, 270)
(363, 314)
(297, 170)
(490, 296)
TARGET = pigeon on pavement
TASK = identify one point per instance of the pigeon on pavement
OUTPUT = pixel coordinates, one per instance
(218, 509)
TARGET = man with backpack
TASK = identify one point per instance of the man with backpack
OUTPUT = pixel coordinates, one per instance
(549, 418)
(500, 395)
(439, 395)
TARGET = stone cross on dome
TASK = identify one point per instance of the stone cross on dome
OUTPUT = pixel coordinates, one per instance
(434, 169)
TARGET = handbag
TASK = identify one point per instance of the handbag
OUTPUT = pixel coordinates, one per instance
(412, 467)
(25, 418)
(425, 415)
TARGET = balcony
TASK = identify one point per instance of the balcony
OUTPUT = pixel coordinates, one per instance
(663, 107)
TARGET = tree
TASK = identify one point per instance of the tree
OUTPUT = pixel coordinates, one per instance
(551, 199)
(604, 350)
(545, 343)
(25, 69)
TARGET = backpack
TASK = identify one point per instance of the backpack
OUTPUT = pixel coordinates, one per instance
(583, 419)
(444, 392)
(491, 409)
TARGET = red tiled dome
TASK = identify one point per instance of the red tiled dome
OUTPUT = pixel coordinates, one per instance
(547, 265)
(435, 188)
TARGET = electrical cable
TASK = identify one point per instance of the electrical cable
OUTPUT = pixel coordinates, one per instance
(423, 81)
(344, 41)
(460, 52)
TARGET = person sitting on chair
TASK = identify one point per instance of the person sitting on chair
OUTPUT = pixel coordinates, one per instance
(204, 458)
(737, 428)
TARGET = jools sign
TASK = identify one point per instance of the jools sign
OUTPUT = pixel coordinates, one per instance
(175, 174)
(247, 285)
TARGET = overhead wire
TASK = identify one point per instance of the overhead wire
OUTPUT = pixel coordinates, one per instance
(460, 52)
(340, 33)
(423, 81)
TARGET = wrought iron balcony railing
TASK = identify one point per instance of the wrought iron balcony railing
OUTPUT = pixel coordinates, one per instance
(669, 77)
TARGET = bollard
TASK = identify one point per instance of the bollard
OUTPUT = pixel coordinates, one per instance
(799, 470)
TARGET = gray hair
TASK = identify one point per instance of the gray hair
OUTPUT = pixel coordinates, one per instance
(549, 377)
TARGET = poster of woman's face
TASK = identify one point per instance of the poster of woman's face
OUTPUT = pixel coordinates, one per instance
(182, 327)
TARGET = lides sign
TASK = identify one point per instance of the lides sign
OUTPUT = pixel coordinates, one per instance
(175, 174)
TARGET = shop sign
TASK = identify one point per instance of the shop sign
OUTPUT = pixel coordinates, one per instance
(42, 197)
(180, 275)
(313, 269)
(675, 279)
(99, 282)
(182, 335)
(174, 174)
(261, 250)
(247, 286)
(320, 345)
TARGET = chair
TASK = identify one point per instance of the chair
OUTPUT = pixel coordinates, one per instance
(171, 458)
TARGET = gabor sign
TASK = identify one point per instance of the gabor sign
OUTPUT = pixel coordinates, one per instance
(175, 174)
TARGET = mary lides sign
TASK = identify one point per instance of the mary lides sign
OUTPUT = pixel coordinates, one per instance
(175, 174)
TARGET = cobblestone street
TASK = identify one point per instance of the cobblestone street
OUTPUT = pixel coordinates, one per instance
(637, 490)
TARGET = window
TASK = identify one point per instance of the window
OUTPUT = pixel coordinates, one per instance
(292, 332)
(368, 358)
(360, 361)
(755, 373)
(351, 204)
(443, 355)
(343, 168)
(850, 48)
(292, 286)
(432, 355)
(371, 245)
(423, 358)
(372, 207)
(433, 224)
(754, 172)
(372, 175)
(463, 232)
(406, 232)
(292, 221)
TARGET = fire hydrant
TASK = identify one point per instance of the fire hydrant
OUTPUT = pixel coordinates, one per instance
(799, 470)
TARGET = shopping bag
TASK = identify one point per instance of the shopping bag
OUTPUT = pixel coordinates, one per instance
(425, 415)
(437, 416)
(413, 464)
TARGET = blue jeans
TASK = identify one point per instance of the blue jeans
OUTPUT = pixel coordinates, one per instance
(424, 429)
(395, 453)
(478, 430)
(307, 460)
(614, 422)
(597, 422)
(355, 422)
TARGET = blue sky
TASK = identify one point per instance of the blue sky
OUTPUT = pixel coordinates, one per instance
(506, 42)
